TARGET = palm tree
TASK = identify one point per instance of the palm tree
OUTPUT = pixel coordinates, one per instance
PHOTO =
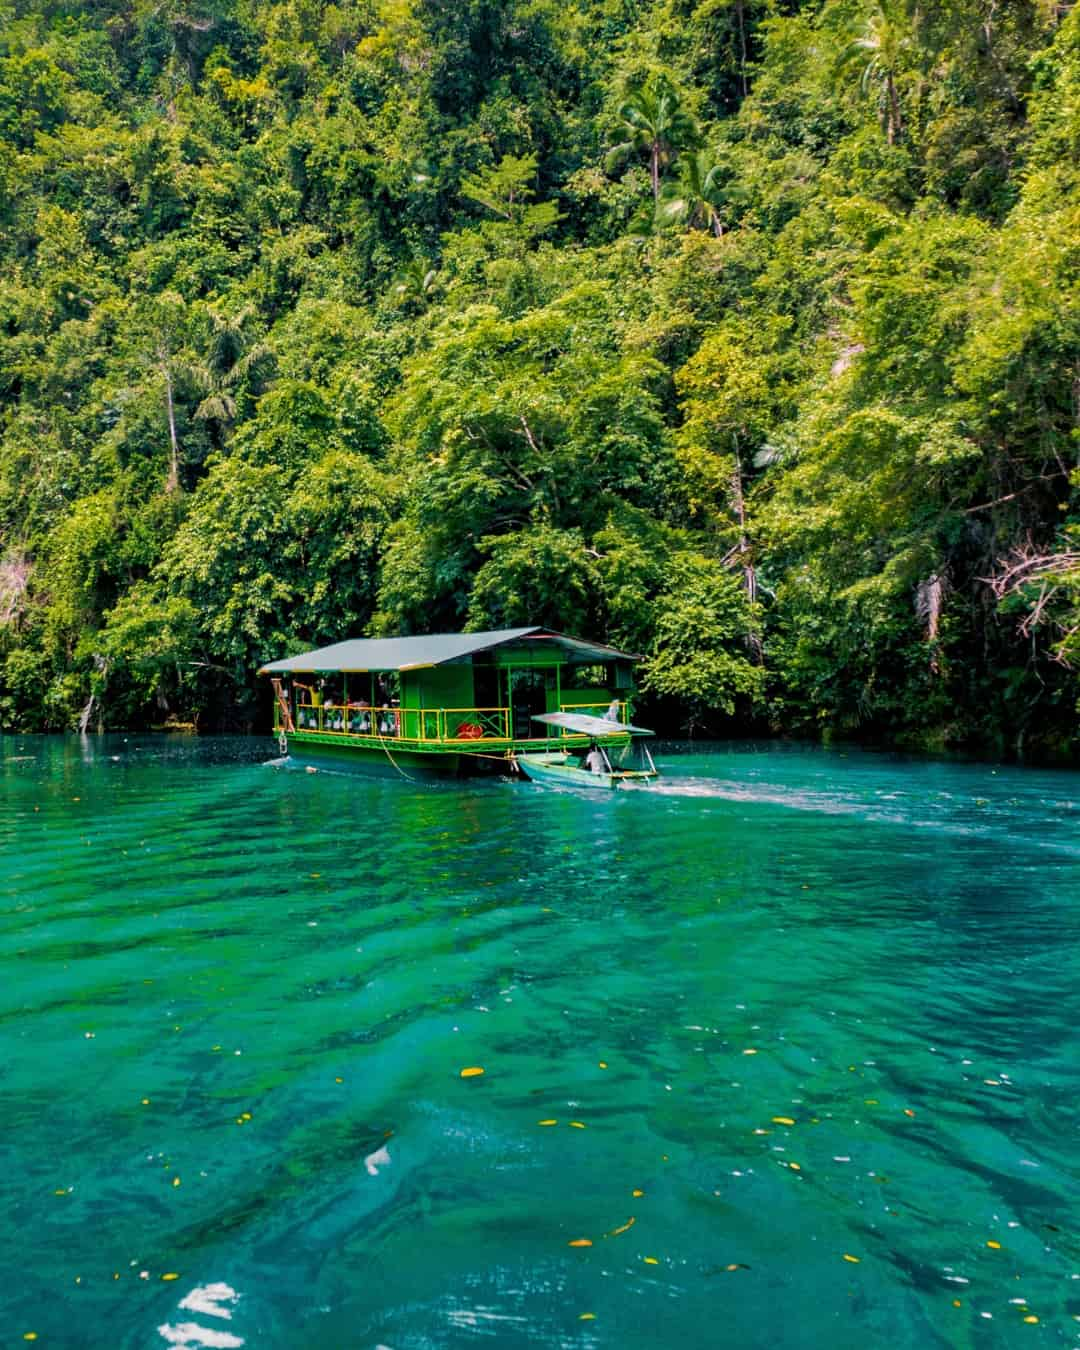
(885, 40)
(415, 281)
(230, 359)
(698, 196)
(655, 121)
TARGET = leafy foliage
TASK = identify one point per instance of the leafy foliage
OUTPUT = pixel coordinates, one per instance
(741, 333)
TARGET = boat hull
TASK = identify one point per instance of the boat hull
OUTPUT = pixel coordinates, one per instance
(557, 769)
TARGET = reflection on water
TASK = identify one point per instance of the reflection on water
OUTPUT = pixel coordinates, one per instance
(780, 1051)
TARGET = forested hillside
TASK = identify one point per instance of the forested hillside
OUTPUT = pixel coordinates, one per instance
(744, 334)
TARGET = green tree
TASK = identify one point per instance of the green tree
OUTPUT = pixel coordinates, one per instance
(655, 121)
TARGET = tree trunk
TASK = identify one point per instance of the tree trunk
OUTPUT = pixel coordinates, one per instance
(740, 15)
(172, 483)
(654, 166)
(895, 121)
(753, 637)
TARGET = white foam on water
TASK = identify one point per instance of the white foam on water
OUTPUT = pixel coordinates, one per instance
(192, 1336)
(209, 1298)
(373, 1161)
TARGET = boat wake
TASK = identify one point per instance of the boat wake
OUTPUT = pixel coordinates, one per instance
(983, 817)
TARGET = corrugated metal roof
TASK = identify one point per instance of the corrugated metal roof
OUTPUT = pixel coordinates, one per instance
(435, 649)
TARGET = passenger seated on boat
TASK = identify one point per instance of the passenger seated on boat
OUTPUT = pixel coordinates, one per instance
(612, 714)
(388, 722)
(360, 721)
(594, 760)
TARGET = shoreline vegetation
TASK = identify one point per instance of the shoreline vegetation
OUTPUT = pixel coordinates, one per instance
(743, 334)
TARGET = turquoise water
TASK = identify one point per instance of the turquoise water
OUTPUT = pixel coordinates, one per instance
(263, 985)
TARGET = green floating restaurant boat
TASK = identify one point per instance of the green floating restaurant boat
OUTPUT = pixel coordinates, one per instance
(463, 702)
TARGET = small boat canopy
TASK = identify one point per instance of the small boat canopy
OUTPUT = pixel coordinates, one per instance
(585, 725)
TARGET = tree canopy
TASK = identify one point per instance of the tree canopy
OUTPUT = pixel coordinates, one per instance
(743, 333)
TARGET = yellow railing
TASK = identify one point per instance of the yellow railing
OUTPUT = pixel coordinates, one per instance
(460, 725)
(414, 724)
(348, 719)
(474, 724)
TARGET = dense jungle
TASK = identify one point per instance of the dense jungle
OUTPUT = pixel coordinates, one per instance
(742, 334)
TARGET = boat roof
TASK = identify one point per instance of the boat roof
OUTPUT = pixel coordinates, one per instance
(589, 726)
(360, 655)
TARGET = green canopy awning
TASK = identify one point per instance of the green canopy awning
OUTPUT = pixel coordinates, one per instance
(436, 649)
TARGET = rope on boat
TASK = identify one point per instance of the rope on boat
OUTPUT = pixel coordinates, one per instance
(389, 756)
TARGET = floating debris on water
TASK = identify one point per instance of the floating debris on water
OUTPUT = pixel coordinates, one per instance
(473, 1072)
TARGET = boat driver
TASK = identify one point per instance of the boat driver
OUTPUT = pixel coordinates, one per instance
(594, 760)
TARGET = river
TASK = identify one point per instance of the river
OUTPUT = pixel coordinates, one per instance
(783, 1052)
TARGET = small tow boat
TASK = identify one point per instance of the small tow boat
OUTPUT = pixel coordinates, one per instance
(617, 755)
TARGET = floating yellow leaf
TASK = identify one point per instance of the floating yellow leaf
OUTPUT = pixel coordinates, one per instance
(908, 1112)
(603, 1064)
(871, 1101)
(176, 1181)
(623, 1227)
(576, 1125)
(547, 1122)
(1032, 1319)
(170, 1275)
(146, 1101)
(60, 1191)
(749, 1052)
(651, 1260)
(635, 1192)
(956, 1303)
(996, 1245)
(855, 1260)
(795, 1167)
(32, 1335)
(339, 1080)
(580, 1242)
(587, 1317)
(245, 1115)
(782, 1120)
(735, 1265)
(474, 1072)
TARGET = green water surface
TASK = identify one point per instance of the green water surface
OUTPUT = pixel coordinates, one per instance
(238, 999)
